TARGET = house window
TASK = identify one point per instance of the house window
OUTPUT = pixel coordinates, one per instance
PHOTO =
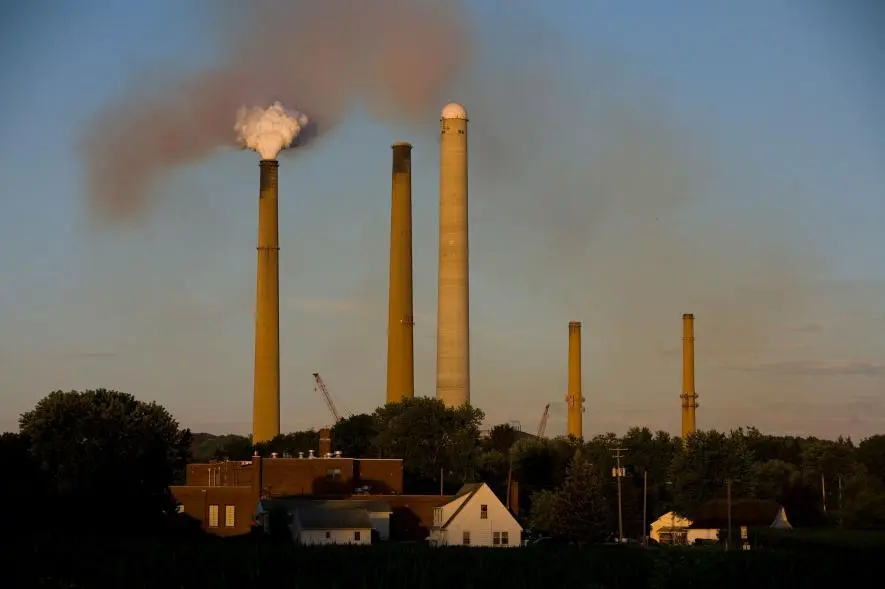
(230, 516)
(505, 538)
(333, 474)
(213, 516)
(356, 536)
(483, 512)
(328, 535)
(465, 539)
(496, 538)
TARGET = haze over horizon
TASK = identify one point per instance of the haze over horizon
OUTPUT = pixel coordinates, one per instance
(626, 167)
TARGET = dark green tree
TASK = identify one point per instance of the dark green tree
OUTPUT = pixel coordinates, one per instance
(353, 436)
(541, 513)
(871, 453)
(580, 510)
(708, 460)
(502, 437)
(290, 444)
(103, 448)
(430, 438)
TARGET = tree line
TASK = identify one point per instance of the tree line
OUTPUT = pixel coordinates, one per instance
(100, 450)
(819, 482)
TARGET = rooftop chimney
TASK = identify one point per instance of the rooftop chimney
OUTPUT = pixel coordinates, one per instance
(325, 441)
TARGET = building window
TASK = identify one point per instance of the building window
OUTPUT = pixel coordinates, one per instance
(483, 512)
(333, 474)
(230, 516)
(328, 535)
(496, 538)
(213, 516)
(465, 539)
(505, 538)
(356, 536)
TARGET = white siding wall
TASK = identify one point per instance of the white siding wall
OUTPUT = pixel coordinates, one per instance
(314, 537)
(482, 530)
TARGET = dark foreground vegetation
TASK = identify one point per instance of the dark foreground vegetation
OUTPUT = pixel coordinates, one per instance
(241, 563)
(85, 502)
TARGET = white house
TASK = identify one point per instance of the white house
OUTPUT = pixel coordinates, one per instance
(475, 517)
(302, 514)
(714, 516)
(672, 528)
(318, 525)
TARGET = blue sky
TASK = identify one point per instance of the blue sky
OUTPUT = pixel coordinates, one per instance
(629, 162)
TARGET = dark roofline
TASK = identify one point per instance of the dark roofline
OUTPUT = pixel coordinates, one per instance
(470, 492)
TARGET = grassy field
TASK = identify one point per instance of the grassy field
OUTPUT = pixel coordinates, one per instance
(136, 563)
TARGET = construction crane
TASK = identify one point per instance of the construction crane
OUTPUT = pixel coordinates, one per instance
(542, 427)
(321, 386)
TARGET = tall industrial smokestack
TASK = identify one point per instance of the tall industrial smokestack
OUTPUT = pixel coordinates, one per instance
(453, 312)
(575, 399)
(266, 402)
(400, 321)
(689, 396)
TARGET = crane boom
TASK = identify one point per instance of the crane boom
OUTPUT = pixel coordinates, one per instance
(321, 386)
(542, 427)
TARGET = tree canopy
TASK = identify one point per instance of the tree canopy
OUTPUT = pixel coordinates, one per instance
(107, 444)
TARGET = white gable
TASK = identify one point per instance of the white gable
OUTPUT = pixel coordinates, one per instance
(478, 518)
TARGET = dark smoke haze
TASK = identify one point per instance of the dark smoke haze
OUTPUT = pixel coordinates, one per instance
(317, 57)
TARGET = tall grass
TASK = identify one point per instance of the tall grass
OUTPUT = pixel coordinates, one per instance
(205, 563)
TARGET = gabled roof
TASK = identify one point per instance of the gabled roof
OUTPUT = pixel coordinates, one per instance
(744, 512)
(470, 489)
(294, 503)
(319, 518)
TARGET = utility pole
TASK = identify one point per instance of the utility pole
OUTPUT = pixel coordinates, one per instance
(441, 479)
(618, 453)
(645, 507)
(509, 479)
(823, 492)
(840, 500)
(728, 494)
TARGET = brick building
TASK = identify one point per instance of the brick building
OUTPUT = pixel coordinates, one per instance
(224, 496)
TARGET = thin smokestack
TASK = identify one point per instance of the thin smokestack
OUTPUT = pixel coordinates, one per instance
(689, 396)
(266, 407)
(574, 398)
(400, 321)
(453, 312)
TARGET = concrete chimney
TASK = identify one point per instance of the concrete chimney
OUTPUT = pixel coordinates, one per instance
(266, 402)
(453, 312)
(400, 321)
(325, 442)
(689, 396)
(575, 399)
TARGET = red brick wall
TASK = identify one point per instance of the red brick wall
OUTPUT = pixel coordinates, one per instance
(195, 502)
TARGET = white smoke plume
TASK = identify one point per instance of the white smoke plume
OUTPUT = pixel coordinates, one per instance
(397, 57)
(268, 131)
